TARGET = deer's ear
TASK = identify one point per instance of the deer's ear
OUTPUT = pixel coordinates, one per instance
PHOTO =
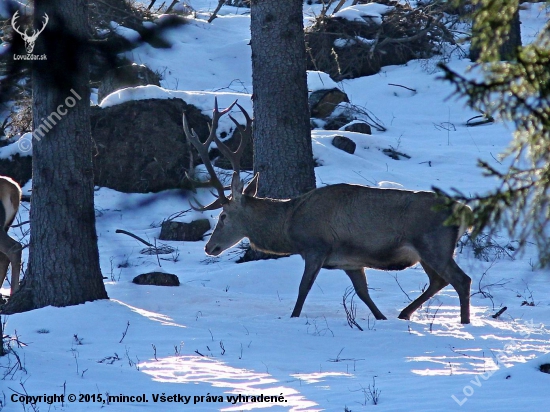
(252, 188)
(236, 186)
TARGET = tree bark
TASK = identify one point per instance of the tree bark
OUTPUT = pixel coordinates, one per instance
(63, 255)
(282, 135)
(508, 49)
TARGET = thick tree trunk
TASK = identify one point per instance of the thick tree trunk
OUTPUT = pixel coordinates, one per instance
(508, 50)
(282, 136)
(63, 257)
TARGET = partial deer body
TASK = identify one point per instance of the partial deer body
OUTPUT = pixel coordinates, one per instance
(348, 227)
(10, 250)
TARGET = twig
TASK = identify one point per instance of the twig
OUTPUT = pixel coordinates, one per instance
(399, 85)
(398, 284)
(487, 119)
(433, 317)
(351, 312)
(125, 332)
(20, 224)
(169, 9)
(134, 236)
(215, 14)
(338, 6)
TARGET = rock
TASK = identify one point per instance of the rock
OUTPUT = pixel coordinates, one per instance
(140, 146)
(323, 102)
(157, 279)
(344, 143)
(338, 121)
(126, 76)
(192, 232)
(19, 168)
(358, 127)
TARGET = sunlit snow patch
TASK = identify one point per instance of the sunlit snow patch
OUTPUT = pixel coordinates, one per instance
(198, 369)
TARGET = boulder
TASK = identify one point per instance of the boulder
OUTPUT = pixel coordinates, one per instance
(358, 127)
(157, 279)
(344, 143)
(192, 232)
(140, 145)
(337, 121)
(19, 168)
(323, 102)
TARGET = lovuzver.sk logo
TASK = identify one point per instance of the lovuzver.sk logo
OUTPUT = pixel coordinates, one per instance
(29, 40)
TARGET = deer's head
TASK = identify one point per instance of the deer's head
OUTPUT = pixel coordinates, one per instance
(231, 227)
(29, 40)
(232, 221)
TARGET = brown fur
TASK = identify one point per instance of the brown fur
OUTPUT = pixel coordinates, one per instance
(10, 250)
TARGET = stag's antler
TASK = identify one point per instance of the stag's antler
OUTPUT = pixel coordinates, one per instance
(234, 157)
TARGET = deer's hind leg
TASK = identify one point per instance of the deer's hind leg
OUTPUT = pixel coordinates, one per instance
(436, 284)
(11, 249)
(359, 281)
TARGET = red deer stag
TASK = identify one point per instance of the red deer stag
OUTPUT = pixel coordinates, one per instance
(342, 226)
(10, 250)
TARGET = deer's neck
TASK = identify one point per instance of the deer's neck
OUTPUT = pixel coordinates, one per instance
(267, 226)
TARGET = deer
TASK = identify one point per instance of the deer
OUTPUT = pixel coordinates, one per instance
(10, 249)
(29, 40)
(340, 226)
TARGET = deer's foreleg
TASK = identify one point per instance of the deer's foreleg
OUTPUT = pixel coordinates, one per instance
(314, 263)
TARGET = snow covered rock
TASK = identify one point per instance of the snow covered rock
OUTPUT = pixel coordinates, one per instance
(127, 76)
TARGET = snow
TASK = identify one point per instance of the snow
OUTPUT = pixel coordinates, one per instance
(317, 80)
(227, 329)
(361, 12)
(127, 33)
(202, 100)
(22, 147)
(350, 42)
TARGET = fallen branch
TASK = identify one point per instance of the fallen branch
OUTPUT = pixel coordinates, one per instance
(399, 85)
(500, 312)
(134, 236)
(486, 119)
(215, 14)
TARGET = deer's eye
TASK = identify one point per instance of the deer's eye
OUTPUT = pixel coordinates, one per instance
(222, 217)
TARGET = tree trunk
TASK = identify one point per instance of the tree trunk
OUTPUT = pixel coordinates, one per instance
(508, 49)
(63, 256)
(282, 135)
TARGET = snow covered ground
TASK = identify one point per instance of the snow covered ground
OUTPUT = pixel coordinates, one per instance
(226, 331)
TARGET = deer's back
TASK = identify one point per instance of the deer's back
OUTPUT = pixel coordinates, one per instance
(370, 227)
